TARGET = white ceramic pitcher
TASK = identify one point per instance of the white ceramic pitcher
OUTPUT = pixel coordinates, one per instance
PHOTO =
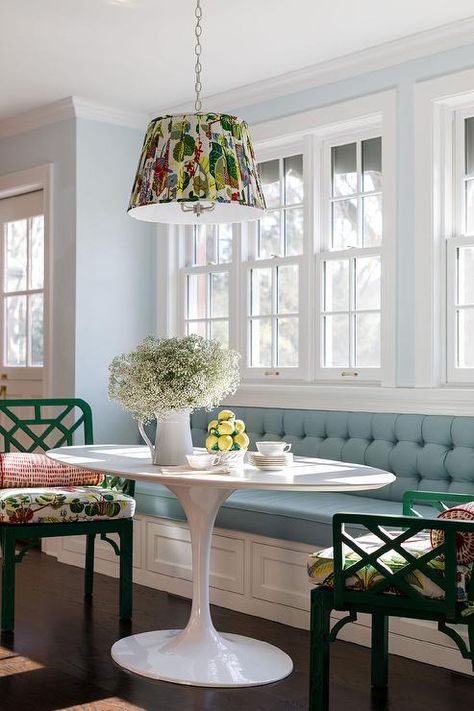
(173, 439)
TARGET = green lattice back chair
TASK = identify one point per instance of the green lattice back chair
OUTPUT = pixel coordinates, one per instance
(386, 579)
(36, 426)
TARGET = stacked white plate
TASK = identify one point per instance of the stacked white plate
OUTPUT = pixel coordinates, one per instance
(272, 463)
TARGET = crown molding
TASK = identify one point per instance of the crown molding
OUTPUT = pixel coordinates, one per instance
(416, 46)
(70, 108)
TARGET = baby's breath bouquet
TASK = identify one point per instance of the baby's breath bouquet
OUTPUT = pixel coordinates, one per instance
(166, 375)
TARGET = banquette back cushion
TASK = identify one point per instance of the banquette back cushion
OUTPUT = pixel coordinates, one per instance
(427, 452)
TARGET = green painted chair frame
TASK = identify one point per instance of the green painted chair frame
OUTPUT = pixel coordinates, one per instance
(407, 603)
(57, 430)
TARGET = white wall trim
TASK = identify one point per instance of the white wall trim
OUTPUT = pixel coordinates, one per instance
(421, 44)
(69, 108)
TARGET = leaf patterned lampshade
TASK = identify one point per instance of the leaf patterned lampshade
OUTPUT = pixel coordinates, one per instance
(197, 169)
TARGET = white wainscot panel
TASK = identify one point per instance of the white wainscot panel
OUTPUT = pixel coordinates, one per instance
(168, 552)
(278, 574)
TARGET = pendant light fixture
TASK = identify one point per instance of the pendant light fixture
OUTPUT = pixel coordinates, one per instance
(197, 168)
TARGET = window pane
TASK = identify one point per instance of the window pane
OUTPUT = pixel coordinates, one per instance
(465, 320)
(368, 283)
(336, 341)
(294, 231)
(344, 170)
(336, 285)
(16, 255)
(344, 224)
(219, 294)
(205, 244)
(15, 335)
(469, 207)
(469, 144)
(368, 340)
(269, 235)
(197, 296)
(288, 342)
(293, 169)
(220, 331)
(372, 165)
(224, 244)
(465, 275)
(288, 289)
(261, 291)
(37, 253)
(197, 327)
(270, 177)
(372, 216)
(36, 329)
(261, 343)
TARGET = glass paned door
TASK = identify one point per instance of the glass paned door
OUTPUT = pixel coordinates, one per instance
(22, 295)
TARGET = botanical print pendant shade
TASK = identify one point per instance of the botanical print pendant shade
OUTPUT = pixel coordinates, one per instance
(189, 158)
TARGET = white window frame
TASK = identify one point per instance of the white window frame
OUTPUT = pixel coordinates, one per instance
(273, 139)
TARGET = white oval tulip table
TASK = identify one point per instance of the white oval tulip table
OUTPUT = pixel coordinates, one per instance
(199, 655)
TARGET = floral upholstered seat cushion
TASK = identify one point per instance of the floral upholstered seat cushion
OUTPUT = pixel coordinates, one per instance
(62, 504)
(321, 567)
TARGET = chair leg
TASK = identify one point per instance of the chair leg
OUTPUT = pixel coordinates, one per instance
(89, 569)
(126, 570)
(379, 651)
(470, 632)
(321, 606)
(8, 581)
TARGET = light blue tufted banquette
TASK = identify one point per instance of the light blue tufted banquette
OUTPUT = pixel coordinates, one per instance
(428, 452)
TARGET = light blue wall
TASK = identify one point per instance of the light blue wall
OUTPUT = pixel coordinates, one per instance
(54, 144)
(115, 268)
(403, 77)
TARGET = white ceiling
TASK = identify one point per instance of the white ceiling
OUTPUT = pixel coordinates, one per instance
(138, 54)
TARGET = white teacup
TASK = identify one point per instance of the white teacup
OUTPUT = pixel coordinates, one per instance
(201, 461)
(272, 449)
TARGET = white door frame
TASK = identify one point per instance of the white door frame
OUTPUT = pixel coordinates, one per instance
(25, 181)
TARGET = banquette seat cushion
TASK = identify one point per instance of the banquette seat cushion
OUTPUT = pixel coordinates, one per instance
(425, 452)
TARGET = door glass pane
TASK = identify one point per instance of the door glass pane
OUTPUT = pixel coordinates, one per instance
(197, 327)
(293, 170)
(220, 331)
(469, 207)
(15, 331)
(224, 244)
(261, 343)
(344, 170)
(261, 291)
(465, 321)
(288, 289)
(336, 341)
(372, 165)
(372, 217)
(269, 235)
(344, 224)
(36, 329)
(294, 231)
(287, 342)
(336, 285)
(368, 340)
(465, 275)
(197, 296)
(16, 255)
(469, 144)
(37, 253)
(368, 283)
(219, 294)
(270, 177)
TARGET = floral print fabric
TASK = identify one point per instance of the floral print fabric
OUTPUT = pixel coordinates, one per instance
(192, 157)
(321, 567)
(63, 504)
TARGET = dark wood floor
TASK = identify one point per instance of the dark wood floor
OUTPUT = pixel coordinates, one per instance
(59, 657)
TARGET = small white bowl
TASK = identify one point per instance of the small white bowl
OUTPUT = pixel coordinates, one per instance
(201, 461)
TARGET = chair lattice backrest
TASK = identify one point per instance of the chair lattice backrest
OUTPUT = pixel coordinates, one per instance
(31, 425)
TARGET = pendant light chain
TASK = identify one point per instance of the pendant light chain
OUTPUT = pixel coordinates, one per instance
(197, 52)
